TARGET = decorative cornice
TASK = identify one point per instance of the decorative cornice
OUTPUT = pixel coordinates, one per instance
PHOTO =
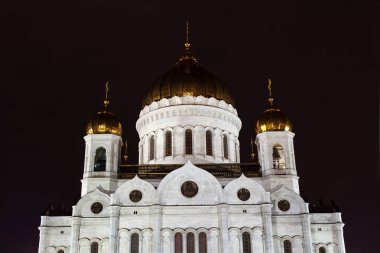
(188, 100)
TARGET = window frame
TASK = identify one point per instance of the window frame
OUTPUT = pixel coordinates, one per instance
(209, 148)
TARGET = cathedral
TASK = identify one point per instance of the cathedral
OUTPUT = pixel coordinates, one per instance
(189, 192)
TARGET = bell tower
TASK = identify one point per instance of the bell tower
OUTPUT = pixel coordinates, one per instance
(274, 141)
(103, 150)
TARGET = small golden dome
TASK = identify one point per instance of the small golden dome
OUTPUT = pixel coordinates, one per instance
(188, 78)
(272, 118)
(104, 122)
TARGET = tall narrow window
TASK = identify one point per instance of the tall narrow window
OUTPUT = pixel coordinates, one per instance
(246, 242)
(322, 250)
(225, 146)
(135, 243)
(168, 137)
(94, 247)
(208, 142)
(178, 243)
(100, 159)
(287, 246)
(151, 148)
(278, 157)
(190, 243)
(202, 243)
(189, 142)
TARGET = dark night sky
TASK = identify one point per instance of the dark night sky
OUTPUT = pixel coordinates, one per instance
(323, 58)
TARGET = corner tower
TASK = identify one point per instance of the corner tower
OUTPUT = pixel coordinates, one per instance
(275, 147)
(103, 150)
(188, 114)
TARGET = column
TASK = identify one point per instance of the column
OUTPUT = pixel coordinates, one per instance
(223, 224)
(160, 145)
(43, 234)
(196, 243)
(339, 235)
(147, 241)
(141, 152)
(213, 246)
(237, 150)
(156, 226)
(240, 237)
(166, 242)
(75, 227)
(231, 148)
(178, 142)
(146, 149)
(199, 141)
(217, 145)
(235, 244)
(267, 224)
(114, 226)
(306, 233)
(257, 242)
(124, 246)
(276, 245)
(184, 243)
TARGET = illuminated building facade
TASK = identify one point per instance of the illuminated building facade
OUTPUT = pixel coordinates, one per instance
(190, 193)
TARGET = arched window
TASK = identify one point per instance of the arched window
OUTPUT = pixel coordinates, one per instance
(100, 159)
(322, 250)
(151, 148)
(61, 251)
(135, 243)
(94, 247)
(168, 146)
(225, 146)
(287, 246)
(278, 157)
(189, 142)
(202, 243)
(246, 242)
(190, 243)
(178, 243)
(208, 142)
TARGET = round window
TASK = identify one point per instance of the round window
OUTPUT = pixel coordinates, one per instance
(96, 208)
(284, 205)
(243, 194)
(135, 196)
(189, 189)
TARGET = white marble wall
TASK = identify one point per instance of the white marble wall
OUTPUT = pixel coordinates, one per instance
(197, 114)
(216, 211)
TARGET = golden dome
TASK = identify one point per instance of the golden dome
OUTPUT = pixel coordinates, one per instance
(104, 122)
(272, 118)
(188, 78)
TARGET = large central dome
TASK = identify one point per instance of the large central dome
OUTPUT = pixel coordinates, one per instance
(188, 78)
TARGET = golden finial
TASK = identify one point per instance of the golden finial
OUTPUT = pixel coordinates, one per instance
(252, 151)
(187, 42)
(126, 152)
(106, 101)
(270, 99)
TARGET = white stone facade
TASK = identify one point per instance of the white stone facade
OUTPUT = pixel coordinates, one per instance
(197, 114)
(216, 218)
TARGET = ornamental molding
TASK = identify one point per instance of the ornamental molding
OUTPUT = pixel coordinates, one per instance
(188, 100)
(183, 110)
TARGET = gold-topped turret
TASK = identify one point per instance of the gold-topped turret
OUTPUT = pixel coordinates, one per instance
(105, 122)
(272, 119)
